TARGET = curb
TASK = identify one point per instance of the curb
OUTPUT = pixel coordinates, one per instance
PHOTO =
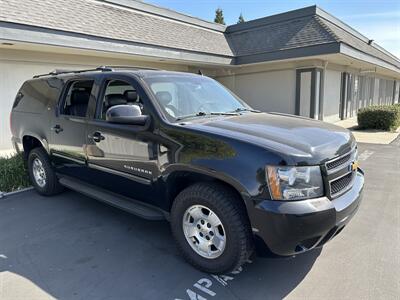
(3, 194)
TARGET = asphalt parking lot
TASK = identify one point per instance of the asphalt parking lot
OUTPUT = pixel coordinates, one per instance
(73, 247)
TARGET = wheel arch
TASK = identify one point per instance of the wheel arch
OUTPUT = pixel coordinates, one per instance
(31, 141)
(177, 180)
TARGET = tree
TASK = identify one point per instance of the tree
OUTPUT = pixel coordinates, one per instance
(241, 19)
(219, 16)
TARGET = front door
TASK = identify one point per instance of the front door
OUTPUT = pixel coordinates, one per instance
(122, 157)
(308, 93)
(68, 136)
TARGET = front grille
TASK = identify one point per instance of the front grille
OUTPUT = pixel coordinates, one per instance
(334, 164)
(340, 175)
(342, 184)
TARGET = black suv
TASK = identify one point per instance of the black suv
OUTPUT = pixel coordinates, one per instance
(182, 147)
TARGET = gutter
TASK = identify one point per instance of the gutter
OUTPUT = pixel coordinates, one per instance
(354, 53)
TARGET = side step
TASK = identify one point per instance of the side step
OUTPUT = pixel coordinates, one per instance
(135, 207)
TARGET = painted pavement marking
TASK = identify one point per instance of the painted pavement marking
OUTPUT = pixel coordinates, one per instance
(203, 285)
(365, 155)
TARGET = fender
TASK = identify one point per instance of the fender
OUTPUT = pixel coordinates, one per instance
(43, 141)
(239, 187)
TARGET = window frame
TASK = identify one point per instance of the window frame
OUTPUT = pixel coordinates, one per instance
(102, 91)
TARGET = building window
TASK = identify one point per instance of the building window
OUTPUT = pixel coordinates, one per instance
(358, 91)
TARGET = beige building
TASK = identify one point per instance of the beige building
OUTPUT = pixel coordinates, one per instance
(303, 62)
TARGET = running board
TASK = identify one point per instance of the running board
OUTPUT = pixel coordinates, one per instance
(135, 207)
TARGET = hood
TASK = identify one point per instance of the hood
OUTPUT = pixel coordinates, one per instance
(301, 140)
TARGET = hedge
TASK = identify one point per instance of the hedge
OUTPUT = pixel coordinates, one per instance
(384, 117)
(13, 173)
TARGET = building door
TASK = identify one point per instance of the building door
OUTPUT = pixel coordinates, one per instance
(308, 93)
(343, 96)
(349, 95)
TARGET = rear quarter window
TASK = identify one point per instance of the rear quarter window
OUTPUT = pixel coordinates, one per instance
(35, 95)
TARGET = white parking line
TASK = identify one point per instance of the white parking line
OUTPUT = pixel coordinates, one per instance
(365, 155)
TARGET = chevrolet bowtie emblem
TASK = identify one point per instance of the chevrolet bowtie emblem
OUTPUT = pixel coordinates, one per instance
(354, 166)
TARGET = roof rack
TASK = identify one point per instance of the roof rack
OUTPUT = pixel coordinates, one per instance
(60, 71)
(131, 67)
(101, 68)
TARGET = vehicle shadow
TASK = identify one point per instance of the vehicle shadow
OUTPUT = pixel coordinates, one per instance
(272, 278)
(73, 247)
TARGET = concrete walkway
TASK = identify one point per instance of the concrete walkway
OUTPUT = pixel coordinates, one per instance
(368, 136)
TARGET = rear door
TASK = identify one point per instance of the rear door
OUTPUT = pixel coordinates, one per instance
(123, 158)
(69, 125)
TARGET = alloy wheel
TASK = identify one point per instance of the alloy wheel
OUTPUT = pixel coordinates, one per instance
(204, 231)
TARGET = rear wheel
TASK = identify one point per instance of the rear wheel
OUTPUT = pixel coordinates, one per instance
(211, 228)
(41, 173)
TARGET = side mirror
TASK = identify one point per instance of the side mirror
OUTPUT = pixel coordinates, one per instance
(126, 114)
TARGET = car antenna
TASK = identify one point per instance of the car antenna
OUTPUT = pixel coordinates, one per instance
(199, 72)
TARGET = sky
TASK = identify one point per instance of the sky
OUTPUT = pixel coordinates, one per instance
(378, 20)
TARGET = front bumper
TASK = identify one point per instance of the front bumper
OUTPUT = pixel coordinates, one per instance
(289, 228)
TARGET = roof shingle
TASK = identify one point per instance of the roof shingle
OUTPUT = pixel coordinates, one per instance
(110, 21)
(288, 34)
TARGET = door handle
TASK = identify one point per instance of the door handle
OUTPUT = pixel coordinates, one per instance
(98, 137)
(57, 128)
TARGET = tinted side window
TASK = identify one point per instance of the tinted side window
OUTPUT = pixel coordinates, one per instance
(35, 95)
(76, 98)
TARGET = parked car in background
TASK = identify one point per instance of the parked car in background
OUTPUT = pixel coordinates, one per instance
(182, 147)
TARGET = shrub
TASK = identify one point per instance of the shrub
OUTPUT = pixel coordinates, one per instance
(384, 117)
(13, 173)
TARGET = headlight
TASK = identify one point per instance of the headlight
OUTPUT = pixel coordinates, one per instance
(294, 183)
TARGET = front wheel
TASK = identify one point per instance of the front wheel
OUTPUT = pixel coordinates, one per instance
(41, 173)
(211, 228)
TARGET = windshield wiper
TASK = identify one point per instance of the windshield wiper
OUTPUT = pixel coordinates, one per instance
(202, 113)
(240, 109)
(199, 114)
(229, 113)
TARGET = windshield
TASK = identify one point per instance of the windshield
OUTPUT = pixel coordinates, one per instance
(193, 96)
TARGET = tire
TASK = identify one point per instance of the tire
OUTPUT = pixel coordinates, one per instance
(38, 161)
(215, 199)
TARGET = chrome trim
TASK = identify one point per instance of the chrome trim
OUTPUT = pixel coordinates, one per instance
(82, 162)
(120, 173)
(352, 153)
